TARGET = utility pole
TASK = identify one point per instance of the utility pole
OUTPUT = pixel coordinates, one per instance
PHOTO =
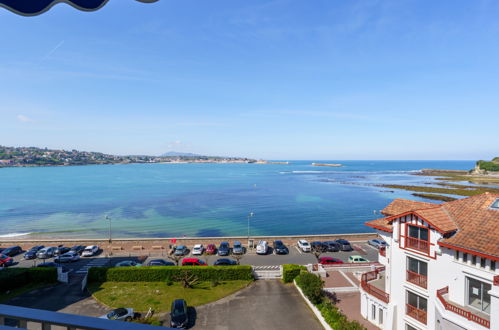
(110, 235)
(249, 216)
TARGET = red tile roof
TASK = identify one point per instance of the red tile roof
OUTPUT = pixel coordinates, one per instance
(475, 224)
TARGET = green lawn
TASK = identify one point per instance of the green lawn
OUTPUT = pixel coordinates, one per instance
(159, 296)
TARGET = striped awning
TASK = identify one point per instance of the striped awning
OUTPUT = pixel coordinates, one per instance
(37, 7)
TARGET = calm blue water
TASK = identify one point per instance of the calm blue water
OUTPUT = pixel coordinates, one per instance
(172, 200)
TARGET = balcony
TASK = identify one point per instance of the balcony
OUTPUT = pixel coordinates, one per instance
(466, 312)
(376, 287)
(417, 244)
(416, 313)
(418, 279)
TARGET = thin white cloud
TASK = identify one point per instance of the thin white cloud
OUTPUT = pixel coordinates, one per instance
(52, 51)
(23, 118)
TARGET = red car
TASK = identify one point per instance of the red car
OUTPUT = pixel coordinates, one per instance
(329, 261)
(211, 249)
(5, 260)
(193, 262)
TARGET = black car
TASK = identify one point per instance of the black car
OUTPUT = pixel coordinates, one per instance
(78, 249)
(331, 246)
(31, 254)
(344, 245)
(12, 251)
(61, 250)
(178, 314)
(160, 262)
(279, 247)
(224, 249)
(317, 246)
(225, 262)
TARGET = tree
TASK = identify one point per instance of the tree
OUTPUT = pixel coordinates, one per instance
(238, 258)
(175, 258)
(187, 279)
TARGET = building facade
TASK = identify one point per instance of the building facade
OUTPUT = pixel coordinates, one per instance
(440, 267)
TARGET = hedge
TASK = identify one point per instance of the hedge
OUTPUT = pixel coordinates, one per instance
(289, 272)
(12, 278)
(168, 273)
(311, 285)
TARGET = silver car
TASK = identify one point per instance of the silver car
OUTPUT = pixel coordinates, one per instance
(45, 253)
(237, 248)
(377, 243)
(68, 257)
(120, 314)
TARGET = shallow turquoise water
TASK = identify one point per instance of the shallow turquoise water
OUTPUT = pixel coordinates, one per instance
(172, 200)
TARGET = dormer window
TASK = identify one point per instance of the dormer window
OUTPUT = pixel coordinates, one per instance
(417, 238)
(495, 205)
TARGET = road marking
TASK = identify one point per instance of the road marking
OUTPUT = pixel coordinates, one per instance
(298, 250)
(372, 247)
(348, 279)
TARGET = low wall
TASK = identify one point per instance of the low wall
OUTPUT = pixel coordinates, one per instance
(133, 244)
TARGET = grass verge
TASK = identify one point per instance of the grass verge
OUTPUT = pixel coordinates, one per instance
(158, 295)
(449, 189)
(22, 290)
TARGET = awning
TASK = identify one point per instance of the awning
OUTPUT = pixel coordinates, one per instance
(37, 7)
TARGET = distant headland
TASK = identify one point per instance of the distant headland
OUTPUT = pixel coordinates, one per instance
(32, 156)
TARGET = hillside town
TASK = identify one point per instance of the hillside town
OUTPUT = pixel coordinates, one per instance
(32, 156)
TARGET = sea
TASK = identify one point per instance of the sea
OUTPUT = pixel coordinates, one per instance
(177, 200)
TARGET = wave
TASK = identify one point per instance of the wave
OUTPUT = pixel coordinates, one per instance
(14, 235)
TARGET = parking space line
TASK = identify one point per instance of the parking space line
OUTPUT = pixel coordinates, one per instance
(372, 247)
(298, 250)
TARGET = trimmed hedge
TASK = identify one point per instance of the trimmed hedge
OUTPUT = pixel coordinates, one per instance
(12, 278)
(311, 285)
(289, 272)
(168, 273)
(333, 316)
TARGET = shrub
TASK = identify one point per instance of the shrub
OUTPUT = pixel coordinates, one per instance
(289, 272)
(311, 286)
(168, 273)
(12, 278)
(333, 316)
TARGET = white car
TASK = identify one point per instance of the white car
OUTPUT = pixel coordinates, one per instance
(119, 314)
(197, 250)
(90, 251)
(304, 245)
(67, 257)
(262, 247)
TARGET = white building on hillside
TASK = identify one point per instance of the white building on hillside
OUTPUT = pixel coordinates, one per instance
(440, 266)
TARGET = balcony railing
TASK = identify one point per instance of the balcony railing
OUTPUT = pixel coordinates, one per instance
(417, 244)
(371, 289)
(417, 279)
(460, 311)
(382, 251)
(416, 313)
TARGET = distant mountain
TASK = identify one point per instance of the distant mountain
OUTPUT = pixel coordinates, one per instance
(180, 154)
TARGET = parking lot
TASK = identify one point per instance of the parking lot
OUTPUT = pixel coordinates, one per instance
(295, 256)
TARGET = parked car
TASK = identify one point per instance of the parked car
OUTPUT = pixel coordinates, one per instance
(318, 246)
(12, 251)
(211, 249)
(279, 247)
(344, 245)
(119, 314)
(331, 246)
(128, 263)
(237, 248)
(180, 250)
(67, 257)
(90, 251)
(178, 315)
(224, 249)
(160, 262)
(262, 247)
(45, 253)
(329, 261)
(78, 249)
(5, 261)
(197, 250)
(193, 262)
(377, 243)
(61, 250)
(357, 259)
(225, 262)
(31, 254)
(304, 245)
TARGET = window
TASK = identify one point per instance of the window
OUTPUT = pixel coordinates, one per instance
(373, 311)
(456, 255)
(495, 205)
(380, 313)
(416, 301)
(478, 296)
(410, 327)
(483, 262)
(473, 260)
(492, 265)
(418, 232)
(417, 272)
(465, 257)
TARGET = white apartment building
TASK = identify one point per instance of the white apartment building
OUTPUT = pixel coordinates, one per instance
(440, 267)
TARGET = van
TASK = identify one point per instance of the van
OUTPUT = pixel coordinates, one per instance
(262, 247)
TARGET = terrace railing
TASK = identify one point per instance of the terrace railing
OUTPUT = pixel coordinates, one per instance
(418, 279)
(371, 289)
(460, 311)
(417, 244)
(416, 313)
(382, 251)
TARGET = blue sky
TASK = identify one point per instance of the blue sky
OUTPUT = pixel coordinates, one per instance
(283, 79)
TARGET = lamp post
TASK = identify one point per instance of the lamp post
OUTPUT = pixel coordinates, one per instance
(110, 236)
(249, 216)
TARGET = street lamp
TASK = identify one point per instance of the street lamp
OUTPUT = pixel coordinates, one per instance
(249, 216)
(108, 218)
